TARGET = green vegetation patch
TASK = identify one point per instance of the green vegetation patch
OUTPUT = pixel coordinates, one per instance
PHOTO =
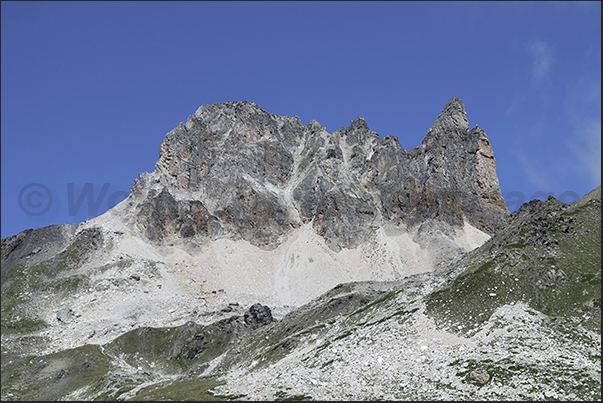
(174, 349)
(472, 297)
(377, 303)
(23, 285)
(53, 376)
(517, 245)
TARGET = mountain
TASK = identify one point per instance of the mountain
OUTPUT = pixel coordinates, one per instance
(249, 207)
(267, 258)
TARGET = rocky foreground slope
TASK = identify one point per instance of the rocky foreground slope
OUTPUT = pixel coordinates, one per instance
(518, 318)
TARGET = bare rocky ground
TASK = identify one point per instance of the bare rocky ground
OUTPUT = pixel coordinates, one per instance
(130, 284)
(514, 356)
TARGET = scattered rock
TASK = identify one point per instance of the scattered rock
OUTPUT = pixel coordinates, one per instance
(258, 315)
(549, 394)
(65, 315)
(478, 377)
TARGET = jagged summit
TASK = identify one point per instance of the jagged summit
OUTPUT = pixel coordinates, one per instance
(257, 176)
(228, 104)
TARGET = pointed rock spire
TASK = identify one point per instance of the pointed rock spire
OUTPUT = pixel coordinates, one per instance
(452, 117)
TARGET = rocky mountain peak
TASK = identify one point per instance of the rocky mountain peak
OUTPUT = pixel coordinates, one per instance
(275, 211)
(453, 119)
(256, 175)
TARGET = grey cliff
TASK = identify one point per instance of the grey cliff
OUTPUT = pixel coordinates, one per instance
(235, 170)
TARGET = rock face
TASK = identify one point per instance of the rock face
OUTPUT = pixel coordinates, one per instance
(234, 170)
(249, 207)
(33, 246)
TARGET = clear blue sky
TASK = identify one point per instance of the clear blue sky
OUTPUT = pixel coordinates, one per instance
(89, 89)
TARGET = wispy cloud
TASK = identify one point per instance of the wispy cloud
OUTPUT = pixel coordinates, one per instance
(593, 158)
(542, 58)
(534, 170)
(516, 104)
(583, 111)
(586, 144)
(533, 158)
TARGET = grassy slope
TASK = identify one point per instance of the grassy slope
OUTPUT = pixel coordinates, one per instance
(24, 285)
(549, 258)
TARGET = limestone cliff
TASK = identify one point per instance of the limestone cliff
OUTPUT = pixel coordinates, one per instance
(234, 170)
